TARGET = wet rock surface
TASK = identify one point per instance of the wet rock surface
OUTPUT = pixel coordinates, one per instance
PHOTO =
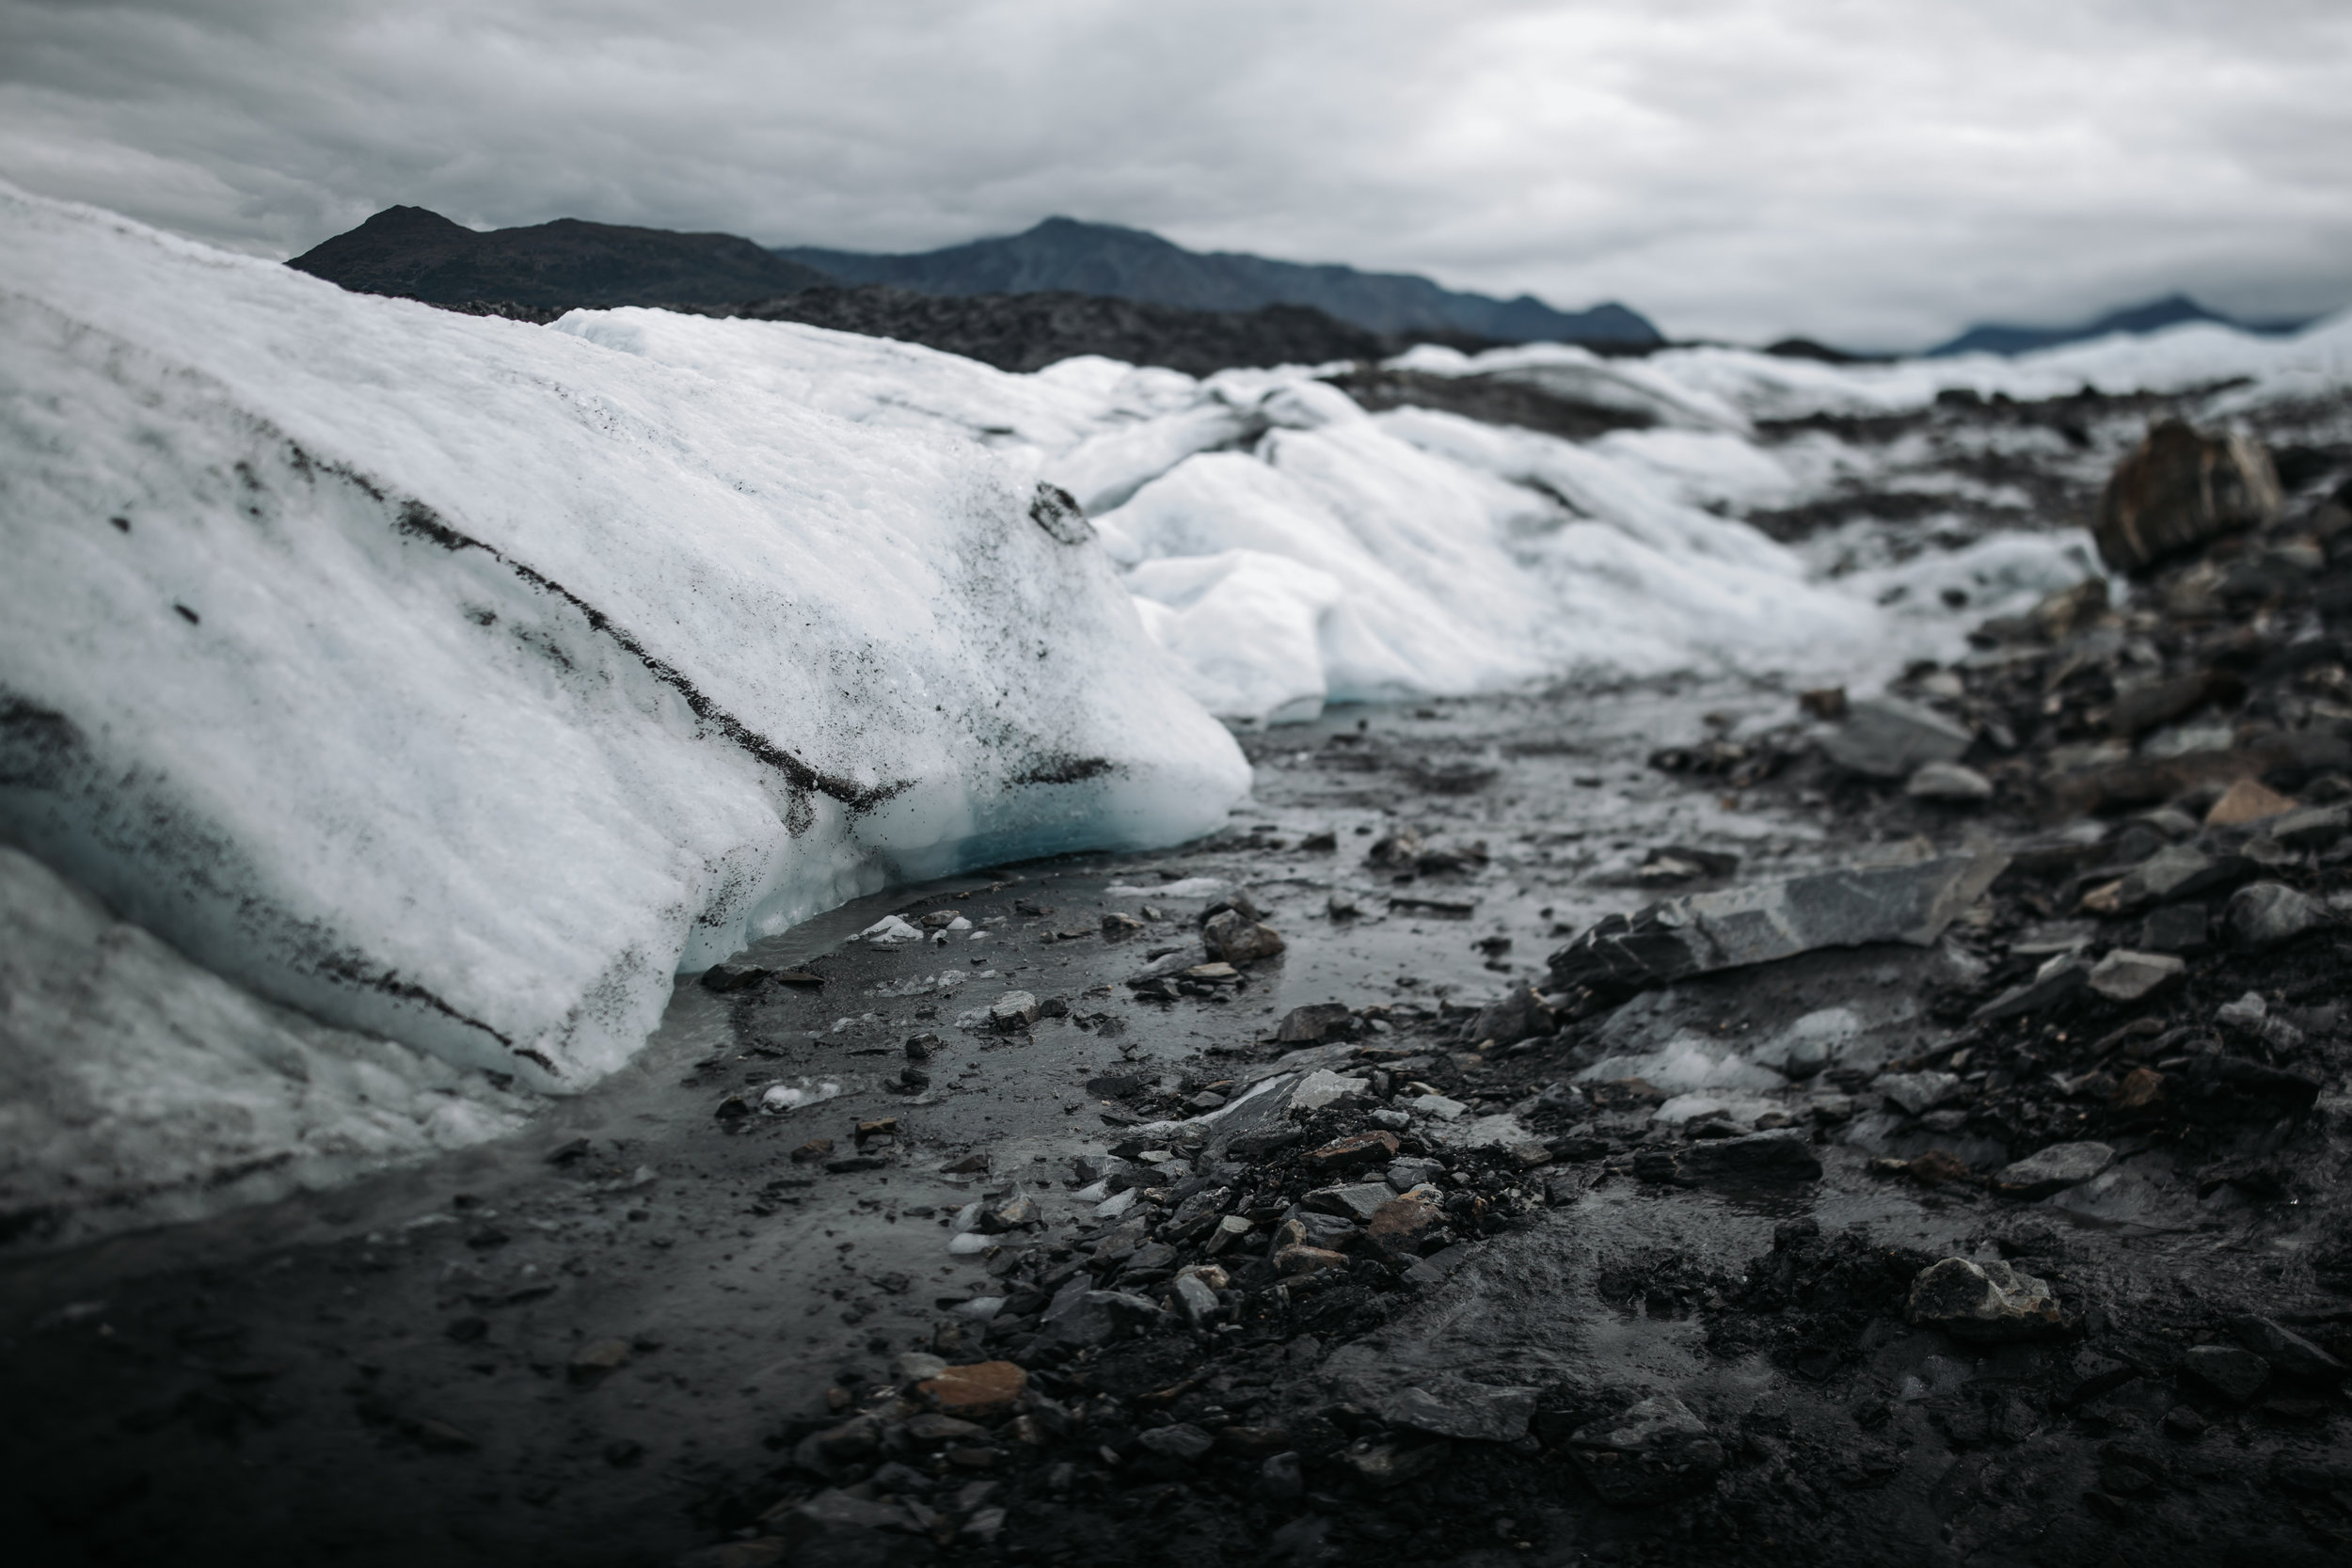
(1396, 1174)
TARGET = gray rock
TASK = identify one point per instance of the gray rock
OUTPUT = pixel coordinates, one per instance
(1323, 1088)
(1446, 1406)
(2264, 914)
(1385, 1462)
(2290, 1354)
(1357, 1201)
(2237, 1375)
(1281, 1477)
(1015, 1011)
(1917, 1093)
(2175, 871)
(1517, 1016)
(1078, 1316)
(1950, 782)
(1889, 738)
(1236, 938)
(1183, 1441)
(2052, 983)
(1314, 1023)
(2176, 928)
(2054, 1169)
(2125, 976)
(1984, 1303)
(2311, 828)
(1777, 1156)
(1653, 1452)
(2250, 1015)
(1411, 1172)
(1702, 933)
(2086, 1374)
(834, 1521)
(1197, 1300)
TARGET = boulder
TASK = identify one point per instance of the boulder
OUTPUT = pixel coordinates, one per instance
(2235, 1374)
(1518, 1016)
(1653, 1452)
(1013, 1011)
(1984, 1303)
(2179, 488)
(1314, 1023)
(1236, 938)
(2054, 1169)
(1886, 737)
(970, 1392)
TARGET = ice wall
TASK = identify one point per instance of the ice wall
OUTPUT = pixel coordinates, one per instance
(458, 681)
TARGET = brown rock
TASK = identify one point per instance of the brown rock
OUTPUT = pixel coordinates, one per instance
(594, 1360)
(1354, 1153)
(1235, 938)
(2141, 1088)
(815, 1149)
(983, 1389)
(1295, 1260)
(1935, 1167)
(1826, 701)
(2247, 800)
(1399, 1224)
(2178, 489)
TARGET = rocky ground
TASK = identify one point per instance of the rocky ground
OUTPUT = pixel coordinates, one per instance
(1682, 1123)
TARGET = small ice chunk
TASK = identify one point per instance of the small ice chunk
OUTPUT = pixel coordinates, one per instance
(968, 1242)
(979, 1309)
(1188, 887)
(889, 931)
(781, 1098)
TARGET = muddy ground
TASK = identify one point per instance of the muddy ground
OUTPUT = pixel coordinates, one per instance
(712, 1310)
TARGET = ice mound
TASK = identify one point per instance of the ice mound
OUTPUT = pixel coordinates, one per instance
(460, 682)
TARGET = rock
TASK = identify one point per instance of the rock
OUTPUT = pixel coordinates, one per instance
(1889, 738)
(1402, 1223)
(2312, 827)
(2058, 979)
(1445, 1407)
(2245, 802)
(2125, 976)
(2177, 489)
(2175, 871)
(1197, 1297)
(2054, 1169)
(1984, 1303)
(1783, 1156)
(1699, 933)
(1518, 1016)
(2214, 1087)
(1117, 926)
(1917, 1093)
(2140, 1090)
(917, 1366)
(1323, 1088)
(727, 977)
(2290, 1355)
(971, 1392)
(1013, 1011)
(1439, 1106)
(2145, 705)
(594, 1360)
(1950, 782)
(1359, 1202)
(1281, 1478)
(1352, 1154)
(2265, 915)
(1824, 702)
(1183, 1441)
(1314, 1023)
(1291, 1262)
(2237, 1375)
(1413, 1171)
(1653, 1452)
(838, 1527)
(1237, 939)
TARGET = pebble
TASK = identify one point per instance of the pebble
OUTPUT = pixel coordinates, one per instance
(1919, 1093)
(1889, 738)
(1183, 1441)
(1015, 1009)
(2262, 915)
(1354, 1153)
(1950, 782)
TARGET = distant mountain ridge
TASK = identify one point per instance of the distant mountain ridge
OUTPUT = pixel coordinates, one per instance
(562, 265)
(2155, 316)
(1065, 255)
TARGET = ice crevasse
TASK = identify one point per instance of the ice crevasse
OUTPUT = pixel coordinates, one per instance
(457, 683)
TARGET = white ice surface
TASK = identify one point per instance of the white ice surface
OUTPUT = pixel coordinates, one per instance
(460, 681)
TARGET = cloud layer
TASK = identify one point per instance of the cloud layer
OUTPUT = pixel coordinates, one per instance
(1867, 173)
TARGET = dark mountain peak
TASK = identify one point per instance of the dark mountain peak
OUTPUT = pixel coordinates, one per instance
(1073, 255)
(2152, 316)
(566, 264)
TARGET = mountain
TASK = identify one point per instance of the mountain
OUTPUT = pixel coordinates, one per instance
(2155, 316)
(1062, 254)
(419, 255)
(1030, 331)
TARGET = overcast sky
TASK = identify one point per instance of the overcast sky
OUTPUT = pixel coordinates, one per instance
(1872, 173)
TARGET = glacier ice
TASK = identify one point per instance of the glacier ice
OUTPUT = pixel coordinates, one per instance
(459, 682)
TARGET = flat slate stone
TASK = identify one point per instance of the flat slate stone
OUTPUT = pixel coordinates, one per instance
(1702, 933)
(2054, 1169)
(1889, 738)
(2237, 1375)
(2125, 976)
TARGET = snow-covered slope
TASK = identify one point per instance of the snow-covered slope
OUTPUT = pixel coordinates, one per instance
(460, 681)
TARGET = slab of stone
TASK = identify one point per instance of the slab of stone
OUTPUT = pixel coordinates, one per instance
(2312, 827)
(971, 1392)
(2247, 800)
(1984, 1303)
(2176, 928)
(1180, 1440)
(2056, 980)
(1917, 1093)
(1702, 933)
(2125, 976)
(2290, 1354)
(2265, 915)
(2053, 1169)
(1948, 783)
(1445, 1407)
(1653, 1452)
(1359, 1202)
(1352, 1154)
(1323, 1088)
(2236, 1374)
(1777, 1156)
(2176, 871)
(1886, 737)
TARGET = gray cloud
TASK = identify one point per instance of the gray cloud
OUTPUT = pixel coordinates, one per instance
(1867, 173)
